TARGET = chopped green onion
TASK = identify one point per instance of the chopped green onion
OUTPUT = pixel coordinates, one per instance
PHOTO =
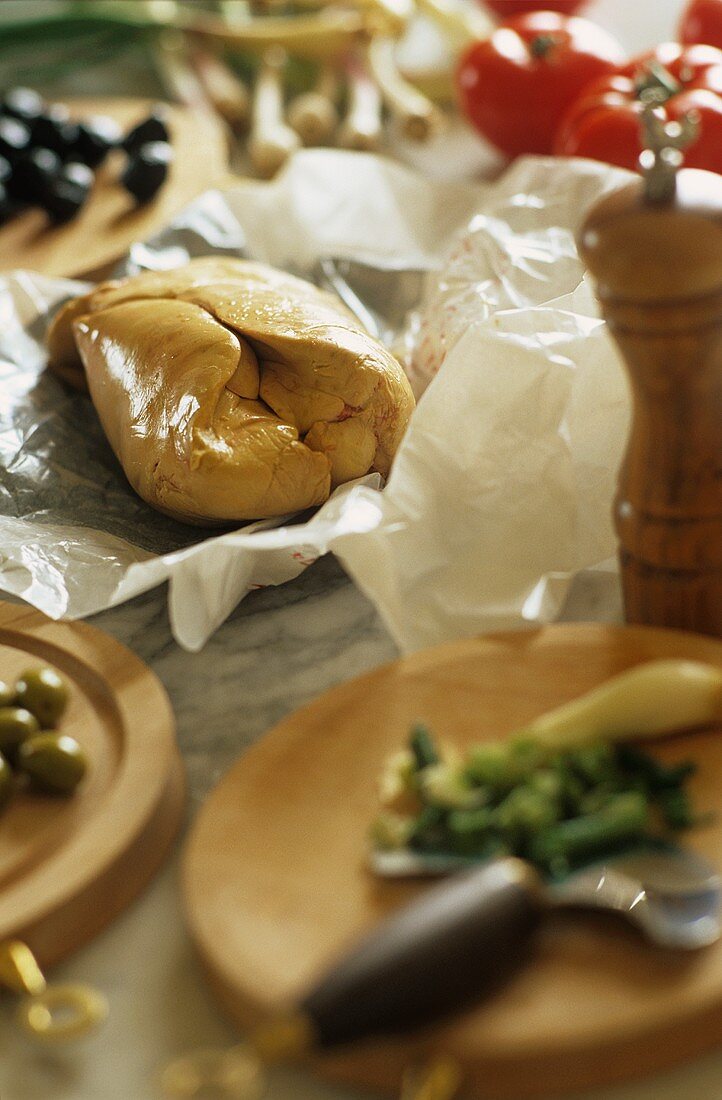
(557, 809)
(624, 818)
(423, 747)
(676, 808)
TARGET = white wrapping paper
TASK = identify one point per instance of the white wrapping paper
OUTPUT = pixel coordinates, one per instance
(501, 493)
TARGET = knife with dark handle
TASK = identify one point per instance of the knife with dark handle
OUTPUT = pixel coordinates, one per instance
(453, 945)
(431, 958)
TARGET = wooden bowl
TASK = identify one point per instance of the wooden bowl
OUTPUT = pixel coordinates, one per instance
(68, 866)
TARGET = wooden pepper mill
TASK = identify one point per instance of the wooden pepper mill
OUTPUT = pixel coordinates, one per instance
(655, 249)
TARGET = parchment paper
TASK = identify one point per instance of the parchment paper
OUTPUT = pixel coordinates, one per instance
(500, 495)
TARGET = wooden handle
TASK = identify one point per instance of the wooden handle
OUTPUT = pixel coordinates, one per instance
(659, 272)
(432, 958)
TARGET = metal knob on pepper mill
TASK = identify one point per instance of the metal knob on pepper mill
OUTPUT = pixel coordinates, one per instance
(655, 249)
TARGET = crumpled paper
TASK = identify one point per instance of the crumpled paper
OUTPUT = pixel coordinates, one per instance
(501, 492)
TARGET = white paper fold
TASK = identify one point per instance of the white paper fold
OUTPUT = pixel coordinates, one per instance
(501, 493)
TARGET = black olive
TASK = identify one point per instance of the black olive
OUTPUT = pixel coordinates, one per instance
(33, 174)
(68, 138)
(23, 104)
(152, 128)
(64, 199)
(147, 170)
(54, 130)
(96, 137)
(14, 139)
(78, 173)
(54, 115)
(67, 193)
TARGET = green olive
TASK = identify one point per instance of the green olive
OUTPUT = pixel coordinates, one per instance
(7, 782)
(16, 725)
(7, 694)
(53, 761)
(44, 693)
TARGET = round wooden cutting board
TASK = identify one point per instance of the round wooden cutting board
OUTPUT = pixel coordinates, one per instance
(276, 884)
(110, 222)
(68, 866)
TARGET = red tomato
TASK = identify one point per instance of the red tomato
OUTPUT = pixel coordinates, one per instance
(702, 22)
(516, 85)
(604, 123)
(506, 8)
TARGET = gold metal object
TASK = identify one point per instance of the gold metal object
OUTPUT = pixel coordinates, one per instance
(52, 1013)
(19, 971)
(63, 1012)
(438, 1080)
(285, 1037)
(237, 1073)
(233, 1074)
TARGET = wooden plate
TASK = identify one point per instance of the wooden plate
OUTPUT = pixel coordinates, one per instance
(68, 866)
(110, 222)
(275, 882)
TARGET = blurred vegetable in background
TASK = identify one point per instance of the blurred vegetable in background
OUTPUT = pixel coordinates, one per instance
(516, 85)
(43, 48)
(702, 22)
(336, 75)
(542, 81)
(604, 123)
(556, 806)
(507, 8)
